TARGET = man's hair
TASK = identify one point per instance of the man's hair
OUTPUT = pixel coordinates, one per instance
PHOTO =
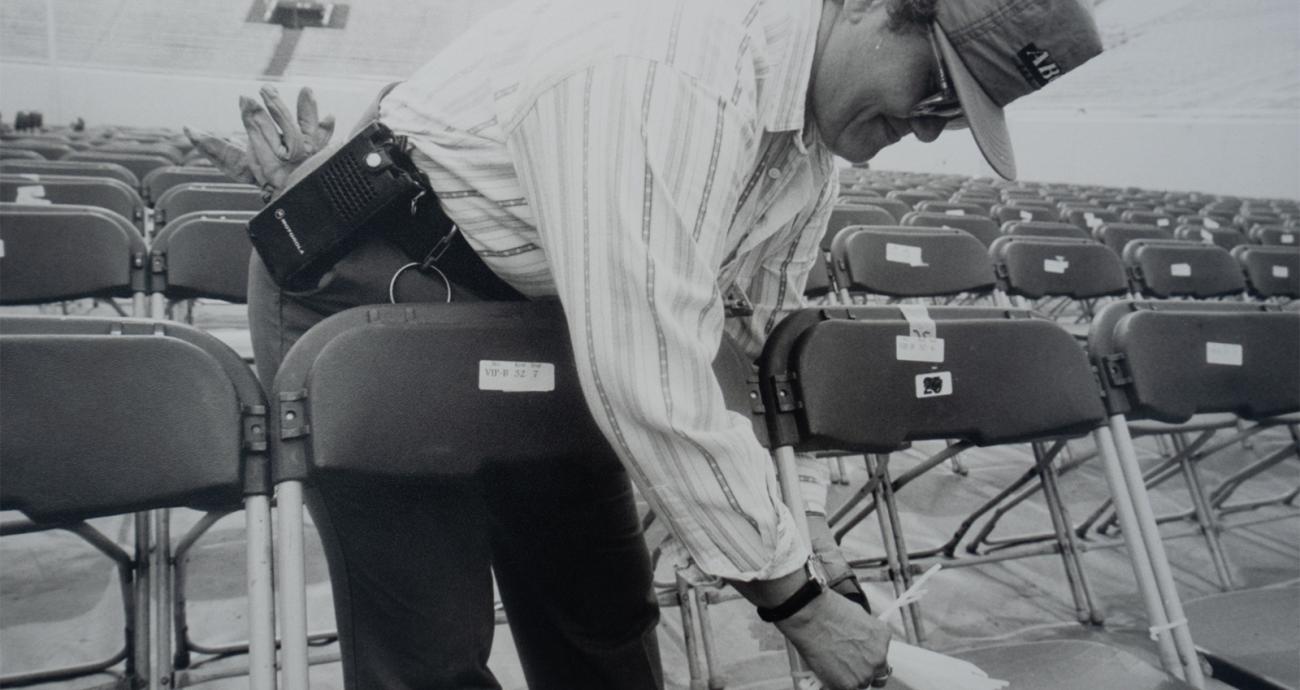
(907, 16)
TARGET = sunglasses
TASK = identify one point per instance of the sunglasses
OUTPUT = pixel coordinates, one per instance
(944, 104)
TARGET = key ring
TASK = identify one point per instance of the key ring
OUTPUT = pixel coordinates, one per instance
(392, 284)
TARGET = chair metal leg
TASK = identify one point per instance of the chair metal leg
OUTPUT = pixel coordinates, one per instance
(1085, 612)
(1208, 523)
(715, 681)
(160, 601)
(261, 600)
(698, 681)
(787, 474)
(1150, 536)
(293, 586)
(895, 546)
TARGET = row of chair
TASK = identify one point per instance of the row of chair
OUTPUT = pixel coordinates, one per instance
(149, 191)
(819, 383)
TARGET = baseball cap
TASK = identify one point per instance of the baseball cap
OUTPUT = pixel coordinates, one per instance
(996, 51)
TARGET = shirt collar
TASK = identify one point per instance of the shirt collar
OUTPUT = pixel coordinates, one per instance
(793, 39)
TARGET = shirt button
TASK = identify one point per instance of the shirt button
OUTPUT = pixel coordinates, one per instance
(774, 173)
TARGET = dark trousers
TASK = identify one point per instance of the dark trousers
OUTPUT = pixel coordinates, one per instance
(411, 563)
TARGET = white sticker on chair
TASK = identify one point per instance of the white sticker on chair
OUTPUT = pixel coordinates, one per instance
(1091, 220)
(1057, 265)
(1180, 270)
(934, 384)
(2, 249)
(1026, 215)
(1223, 353)
(903, 254)
(1211, 223)
(516, 377)
(911, 349)
(31, 194)
(1281, 272)
(956, 212)
(1162, 222)
(1288, 238)
(1207, 237)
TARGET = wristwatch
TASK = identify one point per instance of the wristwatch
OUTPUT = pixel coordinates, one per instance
(801, 597)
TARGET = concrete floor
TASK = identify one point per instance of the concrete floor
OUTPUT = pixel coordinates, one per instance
(59, 603)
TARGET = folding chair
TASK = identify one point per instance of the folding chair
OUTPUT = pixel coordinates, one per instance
(981, 227)
(1088, 217)
(138, 163)
(1169, 361)
(1117, 235)
(340, 409)
(823, 387)
(106, 193)
(159, 180)
(1274, 235)
(165, 416)
(952, 208)
(1044, 228)
(1160, 219)
(48, 149)
(158, 148)
(821, 282)
(1223, 237)
(1004, 213)
(912, 197)
(1035, 268)
(896, 208)
(77, 168)
(189, 197)
(1271, 271)
(7, 153)
(56, 253)
(1165, 269)
(903, 262)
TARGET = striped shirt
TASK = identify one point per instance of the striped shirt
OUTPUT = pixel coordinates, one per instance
(640, 161)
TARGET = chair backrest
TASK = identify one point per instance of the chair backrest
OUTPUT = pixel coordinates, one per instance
(101, 192)
(912, 197)
(202, 254)
(1271, 271)
(897, 209)
(844, 215)
(1157, 218)
(1005, 213)
(1174, 268)
(110, 416)
(189, 197)
(139, 148)
(159, 180)
(858, 378)
(1170, 360)
(952, 208)
(1044, 228)
(981, 227)
(24, 154)
(422, 390)
(1035, 267)
(138, 163)
(54, 253)
(1088, 217)
(1223, 237)
(1275, 235)
(78, 168)
(49, 149)
(911, 261)
(1116, 236)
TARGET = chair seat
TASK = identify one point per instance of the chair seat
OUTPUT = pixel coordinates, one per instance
(1254, 632)
(1069, 665)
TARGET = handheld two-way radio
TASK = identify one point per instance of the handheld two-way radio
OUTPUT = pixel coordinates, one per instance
(305, 231)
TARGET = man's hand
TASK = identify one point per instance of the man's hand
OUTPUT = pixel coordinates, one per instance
(842, 644)
(277, 141)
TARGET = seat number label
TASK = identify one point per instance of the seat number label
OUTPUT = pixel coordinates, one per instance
(516, 377)
(934, 384)
(1223, 353)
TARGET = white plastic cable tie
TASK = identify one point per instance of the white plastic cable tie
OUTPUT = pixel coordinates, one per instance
(913, 593)
(919, 323)
(1155, 630)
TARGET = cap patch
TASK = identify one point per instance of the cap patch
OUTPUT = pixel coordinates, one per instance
(1037, 66)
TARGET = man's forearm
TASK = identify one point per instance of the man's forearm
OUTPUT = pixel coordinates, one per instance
(769, 593)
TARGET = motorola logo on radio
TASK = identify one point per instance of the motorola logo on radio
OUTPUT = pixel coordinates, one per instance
(279, 215)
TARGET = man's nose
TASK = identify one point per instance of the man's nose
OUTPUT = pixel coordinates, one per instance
(927, 129)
